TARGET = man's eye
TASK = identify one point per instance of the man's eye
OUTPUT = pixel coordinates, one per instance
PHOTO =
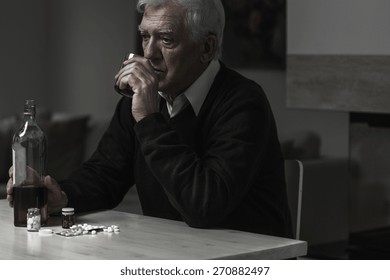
(145, 37)
(167, 40)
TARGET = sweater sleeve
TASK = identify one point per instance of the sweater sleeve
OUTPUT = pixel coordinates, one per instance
(205, 187)
(104, 179)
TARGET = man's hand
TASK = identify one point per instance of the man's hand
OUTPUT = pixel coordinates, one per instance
(56, 198)
(138, 74)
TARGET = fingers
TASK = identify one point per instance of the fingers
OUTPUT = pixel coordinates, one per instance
(11, 171)
(57, 199)
(135, 73)
(10, 189)
(32, 178)
(50, 183)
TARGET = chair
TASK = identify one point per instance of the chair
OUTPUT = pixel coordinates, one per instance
(294, 181)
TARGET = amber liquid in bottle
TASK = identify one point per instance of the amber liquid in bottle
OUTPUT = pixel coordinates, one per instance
(29, 155)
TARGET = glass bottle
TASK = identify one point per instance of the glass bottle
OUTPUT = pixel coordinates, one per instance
(29, 156)
(33, 219)
(67, 217)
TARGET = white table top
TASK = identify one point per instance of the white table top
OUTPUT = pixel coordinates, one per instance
(140, 237)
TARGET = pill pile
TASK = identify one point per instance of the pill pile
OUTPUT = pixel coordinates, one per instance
(83, 229)
(34, 223)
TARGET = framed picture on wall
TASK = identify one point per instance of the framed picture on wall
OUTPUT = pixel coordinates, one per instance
(255, 33)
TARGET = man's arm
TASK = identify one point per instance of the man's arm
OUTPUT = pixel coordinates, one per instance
(105, 178)
(207, 187)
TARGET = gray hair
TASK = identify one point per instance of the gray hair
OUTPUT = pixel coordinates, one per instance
(203, 17)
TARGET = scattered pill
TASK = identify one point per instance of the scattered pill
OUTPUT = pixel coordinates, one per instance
(84, 229)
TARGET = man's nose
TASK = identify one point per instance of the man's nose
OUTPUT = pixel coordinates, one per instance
(151, 50)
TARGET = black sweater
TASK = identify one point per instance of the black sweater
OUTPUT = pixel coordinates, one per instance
(223, 168)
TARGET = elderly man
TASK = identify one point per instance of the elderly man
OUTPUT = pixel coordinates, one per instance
(198, 140)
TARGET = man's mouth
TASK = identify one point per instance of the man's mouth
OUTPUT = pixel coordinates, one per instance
(155, 68)
(159, 73)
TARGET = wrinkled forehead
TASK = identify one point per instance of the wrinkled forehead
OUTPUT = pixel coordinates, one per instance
(170, 17)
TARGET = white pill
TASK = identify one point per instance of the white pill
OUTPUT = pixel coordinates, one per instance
(47, 231)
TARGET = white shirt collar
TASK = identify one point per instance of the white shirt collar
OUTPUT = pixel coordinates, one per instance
(196, 93)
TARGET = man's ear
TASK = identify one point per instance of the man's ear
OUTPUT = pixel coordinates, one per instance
(209, 50)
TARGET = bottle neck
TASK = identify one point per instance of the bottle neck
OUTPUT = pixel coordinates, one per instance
(29, 111)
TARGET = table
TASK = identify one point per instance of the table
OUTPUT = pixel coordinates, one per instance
(140, 237)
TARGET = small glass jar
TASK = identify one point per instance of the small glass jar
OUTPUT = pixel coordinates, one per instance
(33, 219)
(67, 217)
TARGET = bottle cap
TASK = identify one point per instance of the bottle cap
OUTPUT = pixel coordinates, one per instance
(68, 211)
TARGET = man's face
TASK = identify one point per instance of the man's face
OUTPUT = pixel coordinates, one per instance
(167, 44)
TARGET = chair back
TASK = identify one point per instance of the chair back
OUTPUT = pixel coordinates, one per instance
(294, 181)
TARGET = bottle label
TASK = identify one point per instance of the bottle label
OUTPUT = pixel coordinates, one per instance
(19, 164)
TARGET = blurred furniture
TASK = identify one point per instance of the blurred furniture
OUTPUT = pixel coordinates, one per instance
(141, 237)
(294, 180)
(325, 207)
(325, 199)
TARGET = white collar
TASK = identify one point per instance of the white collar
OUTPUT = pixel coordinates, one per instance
(196, 93)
